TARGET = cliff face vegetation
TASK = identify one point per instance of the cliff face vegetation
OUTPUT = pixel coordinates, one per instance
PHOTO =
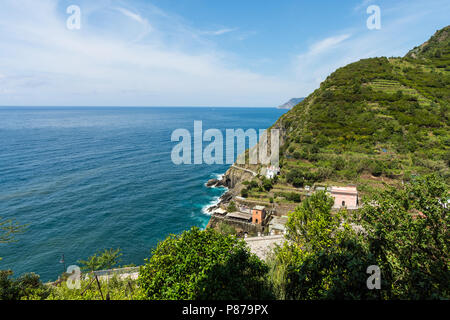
(375, 119)
(372, 122)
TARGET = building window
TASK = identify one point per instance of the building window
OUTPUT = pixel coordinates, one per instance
(256, 220)
(343, 203)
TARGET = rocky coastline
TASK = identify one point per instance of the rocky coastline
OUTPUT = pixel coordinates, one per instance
(231, 180)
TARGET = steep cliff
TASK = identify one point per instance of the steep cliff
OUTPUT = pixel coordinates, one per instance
(378, 120)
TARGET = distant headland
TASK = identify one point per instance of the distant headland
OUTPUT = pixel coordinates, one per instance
(291, 103)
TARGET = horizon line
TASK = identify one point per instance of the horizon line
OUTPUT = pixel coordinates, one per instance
(75, 106)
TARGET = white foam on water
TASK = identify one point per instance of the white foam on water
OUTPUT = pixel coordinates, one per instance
(216, 200)
(213, 203)
(220, 176)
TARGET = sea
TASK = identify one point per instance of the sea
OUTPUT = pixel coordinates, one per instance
(88, 179)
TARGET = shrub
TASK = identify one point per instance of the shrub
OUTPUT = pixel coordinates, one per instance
(376, 168)
(27, 286)
(406, 232)
(203, 265)
(102, 260)
(267, 184)
(231, 207)
(226, 229)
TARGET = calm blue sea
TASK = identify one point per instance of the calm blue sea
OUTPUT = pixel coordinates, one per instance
(85, 179)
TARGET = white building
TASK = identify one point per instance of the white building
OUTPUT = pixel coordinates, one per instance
(272, 171)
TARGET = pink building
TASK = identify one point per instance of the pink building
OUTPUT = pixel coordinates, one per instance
(345, 197)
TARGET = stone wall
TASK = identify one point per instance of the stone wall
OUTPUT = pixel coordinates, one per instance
(240, 226)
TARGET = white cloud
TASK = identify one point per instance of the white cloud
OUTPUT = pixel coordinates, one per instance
(134, 16)
(220, 31)
(327, 44)
(146, 27)
(170, 66)
(321, 58)
(144, 56)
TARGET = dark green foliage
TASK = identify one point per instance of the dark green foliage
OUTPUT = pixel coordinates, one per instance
(312, 223)
(290, 196)
(323, 259)
(226, 229)
(400, 104)
(231, 207)
(204, 265)
(338, 272)
(405, 232)
(376, 168)
(297, 177)
(28, 286)
(409, 232)
(8, 229)
(267, 184)
(102, 260)
(253, 184)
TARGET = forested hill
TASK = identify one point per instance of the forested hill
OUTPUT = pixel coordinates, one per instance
(375, 119)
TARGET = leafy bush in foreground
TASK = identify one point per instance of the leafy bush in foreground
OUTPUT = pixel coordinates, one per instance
(27, 286)
(203, 265)
(112, 289)
(405, 232)
(102, 260)
(409, 233)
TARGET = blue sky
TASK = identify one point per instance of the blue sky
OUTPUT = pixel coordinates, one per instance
(195, 52)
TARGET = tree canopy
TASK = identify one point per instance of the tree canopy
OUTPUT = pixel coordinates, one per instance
(102, 260)
(404, 232)
(203, 265)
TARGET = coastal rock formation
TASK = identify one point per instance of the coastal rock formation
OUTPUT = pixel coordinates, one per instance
(291, 103)
(233, 179)
(215, 183)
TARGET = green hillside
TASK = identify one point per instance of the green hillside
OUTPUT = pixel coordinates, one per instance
(378, 119)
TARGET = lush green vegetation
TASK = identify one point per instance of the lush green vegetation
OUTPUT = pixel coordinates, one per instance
(376, 117)
(259, 184)
(101, 260)
(289, 196)
(30, 287)
(226, 229)
(267, 190)
(8, 229)
(203, 265)
(405, 232)
(26, 287)
(231, 207)
(111, 289)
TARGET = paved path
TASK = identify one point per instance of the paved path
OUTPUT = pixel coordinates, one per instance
(247, 170)
(122, 273)
(262, 246)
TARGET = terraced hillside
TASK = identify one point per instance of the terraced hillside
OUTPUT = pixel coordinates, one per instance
(375, 121)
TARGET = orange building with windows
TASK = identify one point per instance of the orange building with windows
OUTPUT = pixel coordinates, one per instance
(258, 215)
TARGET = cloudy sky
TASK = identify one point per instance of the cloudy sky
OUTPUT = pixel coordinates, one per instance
(194, 52)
